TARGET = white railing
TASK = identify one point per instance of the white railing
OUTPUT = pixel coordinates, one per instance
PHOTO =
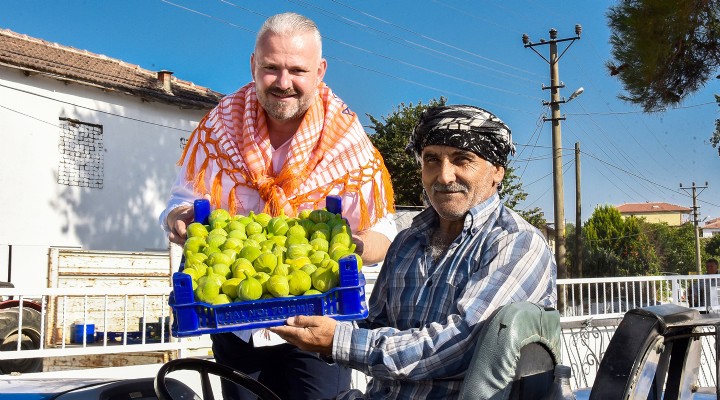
(123, 320)
(614, 296)
(593, 308)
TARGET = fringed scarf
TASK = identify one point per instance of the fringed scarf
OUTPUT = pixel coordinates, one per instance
(231, 148)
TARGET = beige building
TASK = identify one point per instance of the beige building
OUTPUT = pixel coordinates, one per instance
(671, 214)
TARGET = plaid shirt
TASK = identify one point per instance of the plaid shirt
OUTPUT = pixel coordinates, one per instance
(425, 317)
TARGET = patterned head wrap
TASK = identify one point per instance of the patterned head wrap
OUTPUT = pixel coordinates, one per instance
(465, 127)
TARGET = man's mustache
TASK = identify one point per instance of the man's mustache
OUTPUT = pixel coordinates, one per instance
(453, 187)
(287, 92)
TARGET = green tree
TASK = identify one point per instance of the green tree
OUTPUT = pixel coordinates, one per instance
(390, 138)
(674, 245)
(712, 246)
(665, 50)
(512, 194)
(616, 246)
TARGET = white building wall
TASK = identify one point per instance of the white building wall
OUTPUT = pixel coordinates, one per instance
(36, 212)
(708, 232)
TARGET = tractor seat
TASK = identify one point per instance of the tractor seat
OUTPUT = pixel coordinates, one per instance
(515, 355)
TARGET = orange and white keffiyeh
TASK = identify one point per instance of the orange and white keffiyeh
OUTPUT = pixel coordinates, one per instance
(330, 150)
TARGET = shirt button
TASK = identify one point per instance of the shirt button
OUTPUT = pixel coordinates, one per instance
(429, 283)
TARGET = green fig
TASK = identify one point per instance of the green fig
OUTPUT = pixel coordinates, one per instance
(298, 250)
(197, 229)
(222, 270)
(291, 240)
(265, 262)
(238, 234)
(278, 286)
(317, 256)
(252, 228)
(309, 268)
(231, 243)
(262, 277)
(249, 289)
(194, 244)
(342, 238)
(242, 266)
(323, 279)
(234, 225)
(230, 287)
(250, 253)
(317, 216)
(319, 244)
(277, 226)
(296, 230)
(263, 219)
(216, 240)
(222, 298)
(194, 274)
(299, 282)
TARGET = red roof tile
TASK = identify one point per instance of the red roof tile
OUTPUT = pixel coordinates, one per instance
(712, 224)
(636, 208)
(69, 64)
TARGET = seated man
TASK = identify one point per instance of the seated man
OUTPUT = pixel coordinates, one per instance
(461, 259)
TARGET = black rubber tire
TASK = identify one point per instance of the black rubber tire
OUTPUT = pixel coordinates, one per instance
(30, 339)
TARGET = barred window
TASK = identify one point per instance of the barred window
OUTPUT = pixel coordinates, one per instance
(81, 154)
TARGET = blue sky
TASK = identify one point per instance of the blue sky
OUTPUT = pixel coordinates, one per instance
(384, 53)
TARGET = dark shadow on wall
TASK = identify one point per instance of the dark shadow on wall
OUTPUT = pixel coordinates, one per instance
(138, 172)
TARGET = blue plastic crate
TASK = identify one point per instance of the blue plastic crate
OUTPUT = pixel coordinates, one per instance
(80, 330)
(190, 318)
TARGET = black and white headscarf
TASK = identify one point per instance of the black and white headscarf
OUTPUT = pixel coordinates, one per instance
(465, 127)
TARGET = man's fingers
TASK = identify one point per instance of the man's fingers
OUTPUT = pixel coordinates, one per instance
(303, 321)
(177, 239)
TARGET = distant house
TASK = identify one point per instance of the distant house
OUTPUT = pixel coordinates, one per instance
(671, 214)
(711, 228)
(89, 146)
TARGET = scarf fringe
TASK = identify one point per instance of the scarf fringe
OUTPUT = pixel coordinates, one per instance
(216, 190)
(239, 169)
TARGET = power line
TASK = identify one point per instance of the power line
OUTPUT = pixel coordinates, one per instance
(643, 112)
(645, 179)
(614, 152)
(30, 116)
(84, 107)
(441, 91)
(442, 43)
(361, 49)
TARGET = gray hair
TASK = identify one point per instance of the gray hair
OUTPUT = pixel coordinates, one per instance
(288, 23)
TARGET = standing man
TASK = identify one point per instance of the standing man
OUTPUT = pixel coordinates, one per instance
(711, 266)
(702, 292)
(282, 143)
(461, 259)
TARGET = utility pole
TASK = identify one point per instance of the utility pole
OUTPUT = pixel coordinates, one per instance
(696, 221)
(578, 214)
(555, 101)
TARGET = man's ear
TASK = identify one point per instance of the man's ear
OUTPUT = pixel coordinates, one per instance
(322, 68)
(252, 66)
(499, 174)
